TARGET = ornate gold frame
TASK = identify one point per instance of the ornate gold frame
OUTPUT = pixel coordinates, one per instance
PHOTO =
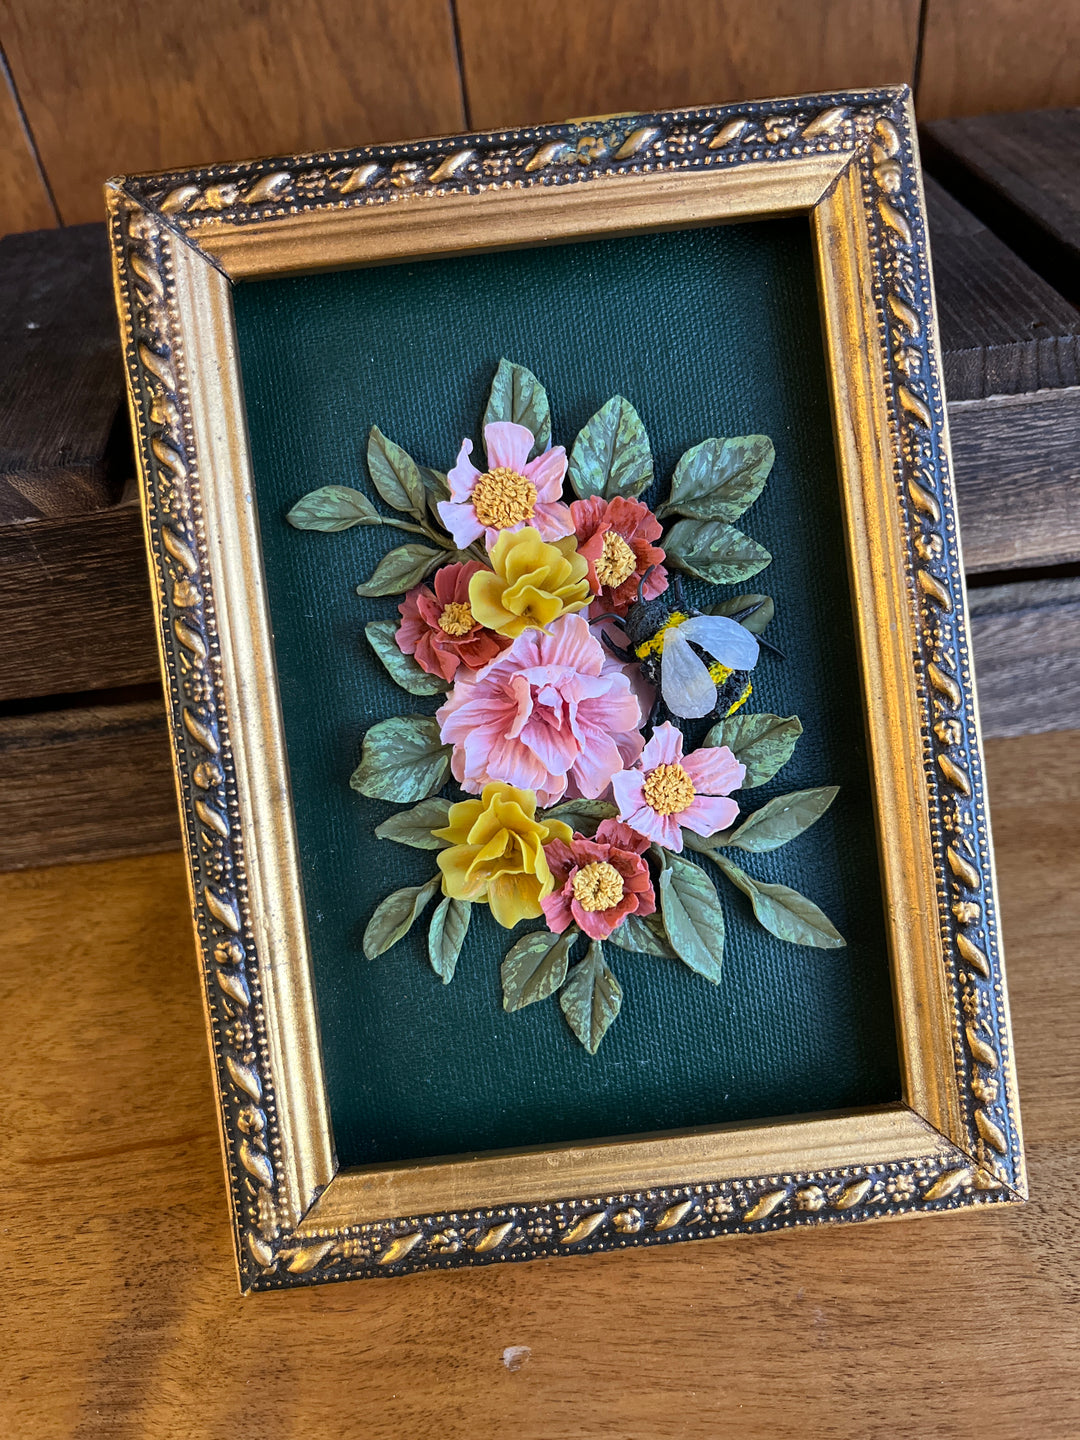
(849, 161)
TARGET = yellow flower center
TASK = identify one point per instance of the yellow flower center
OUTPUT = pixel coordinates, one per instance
(617, 562)
(668, 789)
(456, 618)
(502, 497)
(598, 886)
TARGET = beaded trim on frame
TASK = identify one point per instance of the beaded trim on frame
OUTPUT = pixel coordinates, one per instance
(149, 218)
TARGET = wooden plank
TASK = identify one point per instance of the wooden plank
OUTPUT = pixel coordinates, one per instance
(1017, 467)
(1026, 641)
(1004, 329)
(24, 199)
(99, 558)
(86, 782)
(983, 55)
(65, 446)
(948, 1327)
(1021, 175)
(547, 60)
(119, 86)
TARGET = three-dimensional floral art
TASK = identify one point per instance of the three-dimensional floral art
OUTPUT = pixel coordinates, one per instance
(595, 725)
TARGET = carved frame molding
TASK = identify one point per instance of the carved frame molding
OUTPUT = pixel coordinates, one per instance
(300, 213)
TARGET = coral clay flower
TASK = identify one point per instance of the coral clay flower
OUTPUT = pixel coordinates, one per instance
(530, 584)
(614, 536)
(546, 709)
(598, 882)
(440, 630)
(512, 492)
(496, 853)
(667, 790)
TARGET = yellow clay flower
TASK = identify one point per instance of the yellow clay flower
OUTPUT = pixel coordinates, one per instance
(496, 852)
(531, 583)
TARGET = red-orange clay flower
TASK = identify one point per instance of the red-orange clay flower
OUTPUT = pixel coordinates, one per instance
(598, 882)
(615, 537)
(439, 628)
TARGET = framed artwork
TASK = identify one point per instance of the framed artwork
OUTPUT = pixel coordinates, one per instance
(562, 623)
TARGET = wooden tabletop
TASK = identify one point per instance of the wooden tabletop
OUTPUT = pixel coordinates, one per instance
(120, 1313)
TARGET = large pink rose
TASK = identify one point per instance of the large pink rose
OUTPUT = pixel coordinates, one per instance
(547, 713)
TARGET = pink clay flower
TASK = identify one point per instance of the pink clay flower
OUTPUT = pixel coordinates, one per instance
(511, 493)
(598, 882)
(547, 712)
(667, 790)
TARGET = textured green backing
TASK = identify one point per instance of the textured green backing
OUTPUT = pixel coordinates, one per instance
(708, 332)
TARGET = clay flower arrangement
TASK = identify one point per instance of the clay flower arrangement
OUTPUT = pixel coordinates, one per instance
(571, 671)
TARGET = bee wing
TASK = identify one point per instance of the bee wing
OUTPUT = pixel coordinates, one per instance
(687, 688)
(725, 640)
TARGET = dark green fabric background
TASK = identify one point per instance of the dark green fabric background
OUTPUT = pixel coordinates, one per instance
(708, 332)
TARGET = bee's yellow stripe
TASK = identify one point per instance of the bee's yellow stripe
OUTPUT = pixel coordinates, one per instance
(655, 644)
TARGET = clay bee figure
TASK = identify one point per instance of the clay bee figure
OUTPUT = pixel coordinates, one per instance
(700, 664)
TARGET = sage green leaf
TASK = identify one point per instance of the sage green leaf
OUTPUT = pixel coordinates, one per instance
(755, 623)
(692, 916)
(643, 936)
(784, 912)
(714, 551)
(535, 967)
(591, 998)
(779, 821)
(517, 395)
(413, 827)
(719, 479)
(449, 926)
(581, 815)
(403, 669)
(435, 482)
(399, 570)
(333, 508)
(403, 759)
(763, 743)
(395, 474)
(611, 455)
(394, 917)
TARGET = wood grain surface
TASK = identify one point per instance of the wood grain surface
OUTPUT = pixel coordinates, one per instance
(1021, 174)
(117, 86)
(24, 200)
(121, 1317)
(546, 60)
(981, 55)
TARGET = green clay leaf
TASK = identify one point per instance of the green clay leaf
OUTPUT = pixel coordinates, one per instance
(784, 912)
(449, 926)
(403, 669)
(581, 815)
(517, 395)
(591, 998)
(692, 916)
(403, 759)
(535, 967)
(719, 479)
(394, 917)
(399, 570)
(780, 820)
(333, 508)
(758, 622)
(763, 743)
(395, 474)
(643, 937)
(714, 551)
(413, 827)
(611, 455)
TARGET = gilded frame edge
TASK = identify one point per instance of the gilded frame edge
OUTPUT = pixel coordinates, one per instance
(175, 239)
